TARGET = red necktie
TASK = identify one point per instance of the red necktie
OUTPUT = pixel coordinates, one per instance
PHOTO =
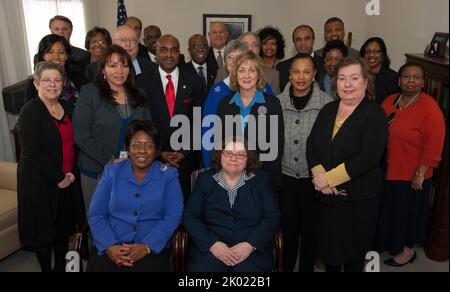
(170, 95)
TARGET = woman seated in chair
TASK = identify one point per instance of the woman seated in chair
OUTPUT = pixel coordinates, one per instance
(232, 215)
(136, 207)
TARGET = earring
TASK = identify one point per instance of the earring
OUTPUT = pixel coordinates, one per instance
(104, 77)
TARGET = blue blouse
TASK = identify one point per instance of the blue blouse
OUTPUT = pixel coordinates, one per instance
(217, 92)
(124, 211)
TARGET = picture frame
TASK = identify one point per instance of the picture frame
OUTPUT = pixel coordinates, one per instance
(438, 45)
(237, 24)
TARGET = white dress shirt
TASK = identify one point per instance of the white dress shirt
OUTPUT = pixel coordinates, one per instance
(175, 77)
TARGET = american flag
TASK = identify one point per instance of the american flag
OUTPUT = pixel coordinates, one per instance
(121, 12)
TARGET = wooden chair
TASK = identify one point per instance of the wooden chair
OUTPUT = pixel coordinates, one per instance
(180, 241)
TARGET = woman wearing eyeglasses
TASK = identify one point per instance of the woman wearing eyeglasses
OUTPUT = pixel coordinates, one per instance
(415, 143)
(103, 112)
(232, 216)
(385, 79)
(49, 198)
(97, 40)
(136, 207)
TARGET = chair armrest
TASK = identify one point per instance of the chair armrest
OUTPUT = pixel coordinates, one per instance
(8, 176)
(179, 250)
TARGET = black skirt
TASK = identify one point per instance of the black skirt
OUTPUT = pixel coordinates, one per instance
(403, 216)
(345, 229)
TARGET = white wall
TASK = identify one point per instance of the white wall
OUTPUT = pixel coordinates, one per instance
(408, 25)
(405, 25)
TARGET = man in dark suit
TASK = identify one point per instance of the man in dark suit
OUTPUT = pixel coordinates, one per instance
(61, 25)
(303, 38)
(171, 92)
(198, 49)
(218, 37)
(126, 37)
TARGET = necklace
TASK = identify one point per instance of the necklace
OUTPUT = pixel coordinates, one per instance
(409, 103)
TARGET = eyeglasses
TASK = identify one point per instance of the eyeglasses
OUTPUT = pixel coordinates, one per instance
(139, 146)
(98, 43)
(131, 41)
(48, 81)
(413, 77)
(229, 154)
(372, 52)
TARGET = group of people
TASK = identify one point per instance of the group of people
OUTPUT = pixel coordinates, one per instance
(331, 146)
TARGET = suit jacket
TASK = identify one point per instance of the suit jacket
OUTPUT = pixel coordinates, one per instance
(254, 218)
(96, 124)
(271, 107)
(212, 62)
(159, 207)
(190, 94)
(40, 200)
(210, 78)
(284, 67)
(145, 64)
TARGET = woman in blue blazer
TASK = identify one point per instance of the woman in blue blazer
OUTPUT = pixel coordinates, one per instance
(136, 208)
(232, 215)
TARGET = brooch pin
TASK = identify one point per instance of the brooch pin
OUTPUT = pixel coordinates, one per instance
(262, 110)
(217, 89)
(163, 168)
(184, 86)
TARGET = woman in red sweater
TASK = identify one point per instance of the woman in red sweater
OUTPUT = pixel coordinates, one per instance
(415, 143)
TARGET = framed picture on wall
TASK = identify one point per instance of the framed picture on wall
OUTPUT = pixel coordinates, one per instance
(438, 45)
(237, 24)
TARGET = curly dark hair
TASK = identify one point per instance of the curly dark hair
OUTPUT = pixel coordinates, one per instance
(412, 64)
(382, 44)
(268, 33)
(134, 95)
(47, 42)
(93, 32)
(253, 163)
(336, 44)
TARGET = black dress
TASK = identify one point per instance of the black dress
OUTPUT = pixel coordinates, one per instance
(346, 225)
(46, 213)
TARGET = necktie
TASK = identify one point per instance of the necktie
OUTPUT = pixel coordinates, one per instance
(219, 59)
(201, 74)
(170, 95)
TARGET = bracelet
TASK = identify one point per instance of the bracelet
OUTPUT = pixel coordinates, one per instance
(148, 249)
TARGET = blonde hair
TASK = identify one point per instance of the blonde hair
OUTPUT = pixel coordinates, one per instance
(243, 58)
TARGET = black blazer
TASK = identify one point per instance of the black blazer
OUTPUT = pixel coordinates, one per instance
(272, 107)
(254, 218)
(360, 144)
(211, 61)
(190, 94)
(386, 83)
(39, 172)
(284, 67)
(210, 78)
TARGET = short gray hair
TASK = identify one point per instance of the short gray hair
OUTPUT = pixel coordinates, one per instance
(45, 65)
(258, 40)
(234, 45)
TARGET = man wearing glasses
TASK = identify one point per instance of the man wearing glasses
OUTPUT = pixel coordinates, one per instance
(127, 38)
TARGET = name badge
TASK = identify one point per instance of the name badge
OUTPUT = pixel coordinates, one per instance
(123, 155)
